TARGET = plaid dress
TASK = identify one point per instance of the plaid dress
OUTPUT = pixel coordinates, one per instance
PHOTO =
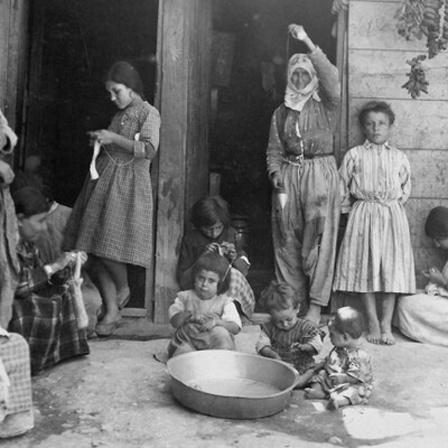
(112, 217)
(15, 355)
(44, 313)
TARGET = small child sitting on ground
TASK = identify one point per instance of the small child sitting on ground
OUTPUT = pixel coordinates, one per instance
(345, 377)
(205, 317)
(287, 337)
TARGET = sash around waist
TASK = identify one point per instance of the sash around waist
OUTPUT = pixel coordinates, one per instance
(290, 158)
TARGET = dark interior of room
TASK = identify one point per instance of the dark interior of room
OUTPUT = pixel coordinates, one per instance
(75, 43)
(259, 44)
(80, 39)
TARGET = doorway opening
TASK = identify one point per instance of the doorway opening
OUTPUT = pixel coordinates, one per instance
(72, 46)
(252, 36)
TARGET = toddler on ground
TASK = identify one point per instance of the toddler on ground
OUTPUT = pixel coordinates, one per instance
(345, 376)
(287, 337)
(205, 317)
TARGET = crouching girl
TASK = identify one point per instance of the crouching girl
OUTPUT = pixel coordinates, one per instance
(205, 317)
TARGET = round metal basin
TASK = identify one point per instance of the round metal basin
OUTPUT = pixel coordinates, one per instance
(231, 384)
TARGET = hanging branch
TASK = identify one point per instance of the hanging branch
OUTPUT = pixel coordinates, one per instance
(431, 26)
(416, 18)
(409, 19)
(417, 77)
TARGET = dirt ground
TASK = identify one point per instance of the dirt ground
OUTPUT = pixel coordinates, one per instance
(120, 396)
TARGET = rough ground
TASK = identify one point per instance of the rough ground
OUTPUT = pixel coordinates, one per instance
(120, 396)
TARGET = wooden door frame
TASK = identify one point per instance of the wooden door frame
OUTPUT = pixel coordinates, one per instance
(14, 20)
(183, 96)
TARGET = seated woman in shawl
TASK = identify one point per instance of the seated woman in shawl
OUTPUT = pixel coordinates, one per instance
(49, 244)
(424, 317)
(45, 306)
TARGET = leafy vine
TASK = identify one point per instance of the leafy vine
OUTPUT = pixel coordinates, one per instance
(418, 18)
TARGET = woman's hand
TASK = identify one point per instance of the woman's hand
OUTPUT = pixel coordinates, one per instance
(212, 247)
(276, 181)
(64, 260)
(102, 136)
(83, 256)
(297, 31)
(435, 276)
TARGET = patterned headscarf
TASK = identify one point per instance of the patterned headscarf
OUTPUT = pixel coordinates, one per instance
(295, 99)
(436, 225)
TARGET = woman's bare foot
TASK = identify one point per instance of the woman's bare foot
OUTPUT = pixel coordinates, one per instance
(374, 334)
(387, 338)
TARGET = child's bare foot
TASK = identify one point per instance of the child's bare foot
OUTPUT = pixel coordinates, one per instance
(387, 338)
(312, 394)
(332, 405)
(374, 334)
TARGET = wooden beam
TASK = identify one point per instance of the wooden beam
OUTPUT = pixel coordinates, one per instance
(341, 140)
(185, 49)
(5, 8)
(175, 43)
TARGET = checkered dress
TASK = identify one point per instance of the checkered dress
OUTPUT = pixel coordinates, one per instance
(112, 217)
(44, 314)
(15, 355)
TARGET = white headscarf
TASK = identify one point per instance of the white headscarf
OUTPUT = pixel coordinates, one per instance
(295, 99)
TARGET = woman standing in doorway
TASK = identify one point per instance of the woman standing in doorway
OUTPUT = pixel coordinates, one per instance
(303, 172)
(112, 217)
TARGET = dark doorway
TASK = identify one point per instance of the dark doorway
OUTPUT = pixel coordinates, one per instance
(73, 43)
(255, 33)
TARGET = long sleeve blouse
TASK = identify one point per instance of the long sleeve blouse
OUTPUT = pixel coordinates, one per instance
(316, 121)
(374, 173)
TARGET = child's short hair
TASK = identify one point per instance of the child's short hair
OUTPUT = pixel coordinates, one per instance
(215, 263)
(347, 320)
(279, 296)
(209, 210)
(376, 106)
